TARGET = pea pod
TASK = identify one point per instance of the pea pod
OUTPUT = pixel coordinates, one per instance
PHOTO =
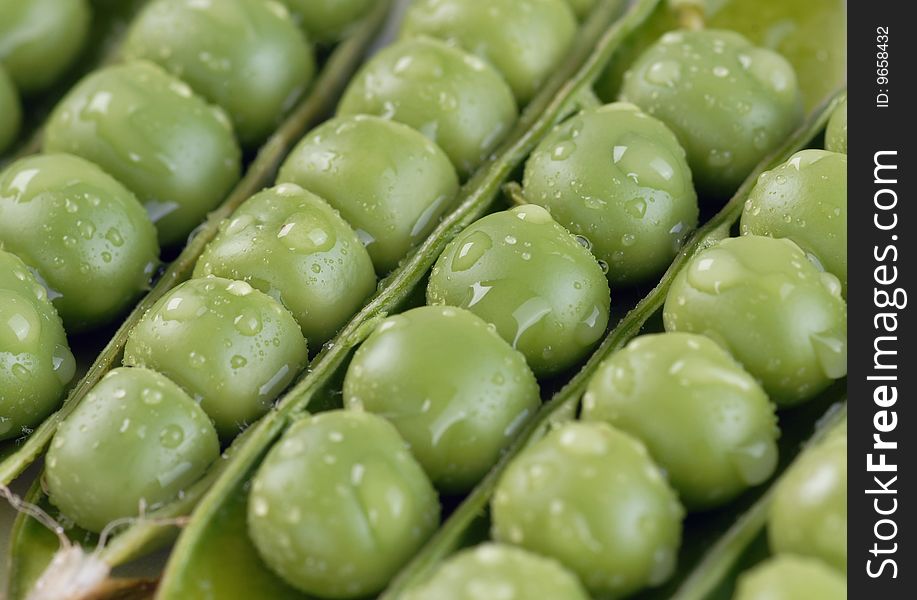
(563, 404)
(329, 20)
(333, 77)
(791, 579)
(543, 113)
(836, 134)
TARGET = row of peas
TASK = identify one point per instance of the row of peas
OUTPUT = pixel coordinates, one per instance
(221, 347)
(134, 158)
(686, 419)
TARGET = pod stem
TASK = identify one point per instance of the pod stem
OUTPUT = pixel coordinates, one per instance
(563, 405)
(514, 194)
(320, 100)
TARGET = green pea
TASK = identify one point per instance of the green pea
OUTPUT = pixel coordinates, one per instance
(291, 245)
(791, 578)
(134, 442)
(729, 102)
(805, 200)
(524, 273)
(808, 516)
(455, 99)
(524, 39)
(80, 230)
(457, 405)
(247, 56)
(151, 133)
(492, 571)
(705, 421)
(233, 348)
(35, 361)
(590, 496)
(637, 208)
(10, 111)
(329, 20)
(339, 505)
(836, 133)
(388, 181)
(40, 39)
(761, 299)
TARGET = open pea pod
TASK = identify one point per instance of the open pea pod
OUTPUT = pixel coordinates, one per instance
(811, 35)
(644, 317)
(340, 65)
(594, 46)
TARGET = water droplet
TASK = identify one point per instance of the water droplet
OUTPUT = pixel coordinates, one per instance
(664, 72)
(831, 353)
(171, 436)
(755, 460)
(470, 251)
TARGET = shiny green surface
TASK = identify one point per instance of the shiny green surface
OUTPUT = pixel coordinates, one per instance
(730, 103)
(454, 389)
(40, 39)
(388, 181)
(151, 133)
(776, 313)
(805, 200)
(455, 99)
(836, 134)
(290, 244)
(135, 442)
(620, 179)
(791, 578)
(10, 110)
(492, 571)
(521, 271)
(808, 516)
(247, 56)
(704, 420)
(590, 496)
(328, 20)
(524, 39)
(35, 360)
(84, 233)
(233, 348)
(339, 505)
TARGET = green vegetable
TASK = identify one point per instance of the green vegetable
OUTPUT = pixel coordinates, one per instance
(151, 133)
(805, 200)
(35, 361)
(40, 39)
(233, 348)
(455, 99)
(808, 516)
(637, 208)
(10, 111)
(388, 181)
(247, 56)
(135, 442)
(291, 245)
(339, 505)
(791, 578)
(704, 420)
(84, 233)
(590, 496)
(836, 134)
(761, 299)
(329, 20)
(528, 276)
(730, 103)
(454, 389)
(523, 39)
(492, 571)
(582, 8)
